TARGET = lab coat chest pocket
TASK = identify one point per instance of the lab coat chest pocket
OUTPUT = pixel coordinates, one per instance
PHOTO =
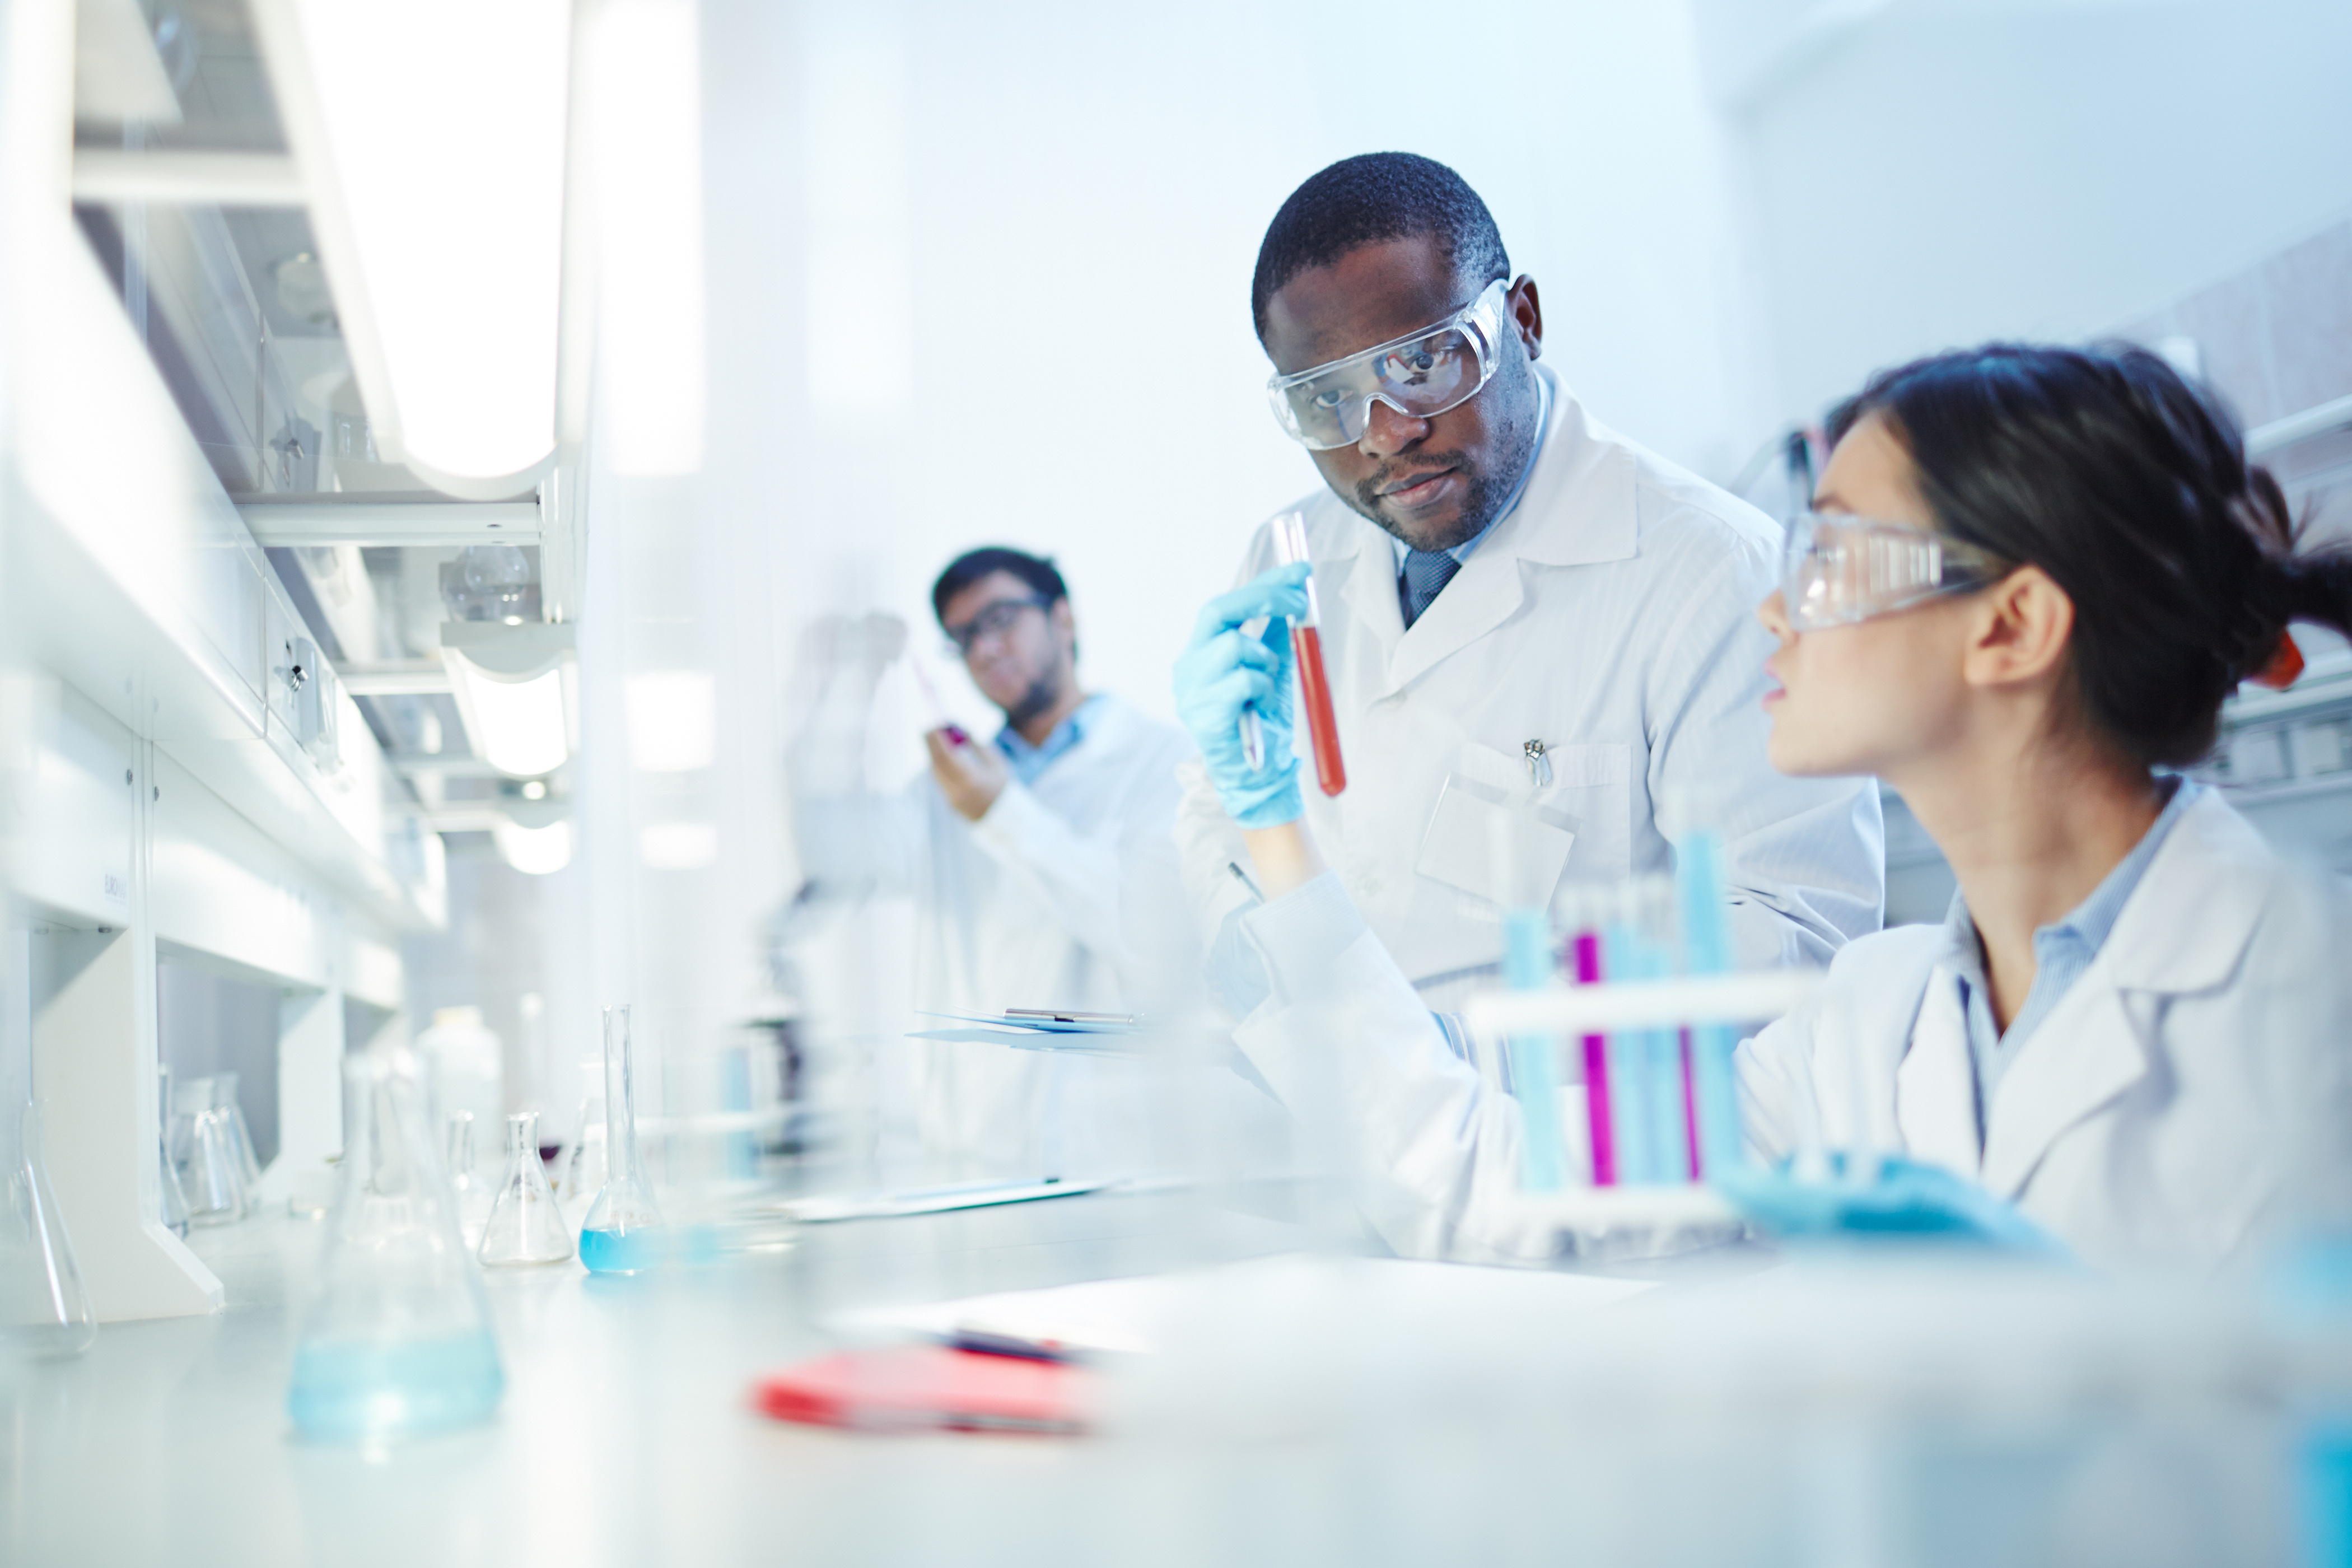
(1494, 834)
(1591, 792)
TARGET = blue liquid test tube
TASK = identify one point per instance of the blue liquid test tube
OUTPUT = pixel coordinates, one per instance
(1535, 1077)
(1629, 1075)
(1700, 891)
(1661, 1053)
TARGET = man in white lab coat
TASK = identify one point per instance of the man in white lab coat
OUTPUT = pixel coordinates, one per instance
(1540, 636)
(1042, 869)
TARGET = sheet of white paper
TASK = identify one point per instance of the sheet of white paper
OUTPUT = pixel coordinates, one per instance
(1132, 1317)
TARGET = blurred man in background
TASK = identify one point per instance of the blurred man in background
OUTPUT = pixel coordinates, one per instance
(1041, 863)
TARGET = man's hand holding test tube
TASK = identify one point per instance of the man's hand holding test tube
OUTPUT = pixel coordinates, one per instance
(1229, 683)
(1232, 690)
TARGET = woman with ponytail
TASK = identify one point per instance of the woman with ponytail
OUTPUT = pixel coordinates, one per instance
(2126, 1028)
(2031, 577)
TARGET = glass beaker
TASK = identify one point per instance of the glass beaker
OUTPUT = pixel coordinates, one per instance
(465, 1179)
(526, 1223)
(211, 1175)
(224, 1101)
(44, 1310)
(623, 1232)
(396, 1338)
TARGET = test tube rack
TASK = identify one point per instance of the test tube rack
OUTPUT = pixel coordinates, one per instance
(1564, 1013)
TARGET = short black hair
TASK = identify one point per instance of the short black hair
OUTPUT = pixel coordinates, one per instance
(1369, 198)
(2130, 485)
(1036, 571)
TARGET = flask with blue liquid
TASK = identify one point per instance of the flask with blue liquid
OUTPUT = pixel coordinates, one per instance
(623, 1232)
(396, 1339)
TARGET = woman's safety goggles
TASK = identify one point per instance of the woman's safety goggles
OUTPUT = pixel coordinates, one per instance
(1420, 376)
(1840, 570)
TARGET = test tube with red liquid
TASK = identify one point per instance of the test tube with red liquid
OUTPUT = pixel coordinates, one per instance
(1307, 651)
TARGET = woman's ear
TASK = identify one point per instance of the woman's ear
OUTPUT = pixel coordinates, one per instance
(2019, 633)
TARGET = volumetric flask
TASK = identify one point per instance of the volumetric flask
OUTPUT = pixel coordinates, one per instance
(212, 1171)
(396, 1338)
(44, 1311)
(583, 1161)
(224, 1101)
(526, 1223)
(465, 1184)
(623, 1232)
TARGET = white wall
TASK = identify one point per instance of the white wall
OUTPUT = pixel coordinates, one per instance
(1928, 173)
(1030, 230)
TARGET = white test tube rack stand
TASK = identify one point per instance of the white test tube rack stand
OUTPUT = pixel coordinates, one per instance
(1568, 1013)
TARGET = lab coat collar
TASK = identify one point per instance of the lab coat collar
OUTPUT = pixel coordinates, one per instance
(1577, 509)
(2185, 928)
(1935, 1084)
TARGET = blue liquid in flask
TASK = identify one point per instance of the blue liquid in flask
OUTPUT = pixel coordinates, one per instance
(620, 1251)
(350, 1390)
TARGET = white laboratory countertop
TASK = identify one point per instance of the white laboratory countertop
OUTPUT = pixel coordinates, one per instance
(624, 1436)
(1923, 1416)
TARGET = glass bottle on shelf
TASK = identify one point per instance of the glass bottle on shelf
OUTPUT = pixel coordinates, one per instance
(623, 1232)
(525, 1224)
(396, 1337)
(45, 1311)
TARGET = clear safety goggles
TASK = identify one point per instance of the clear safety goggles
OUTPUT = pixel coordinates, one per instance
(1420, 376)
(1840, 570)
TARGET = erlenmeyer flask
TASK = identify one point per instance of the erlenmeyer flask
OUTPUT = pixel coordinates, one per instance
(44, 1311)
(212, 1176)
(623, 1232)
(224, 1101)
(465, 1183)
(526, 1223)
(396, 1338)
(176, 1201)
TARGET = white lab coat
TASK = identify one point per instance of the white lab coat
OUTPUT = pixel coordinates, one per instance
(1064, 895)
(2190, 1087)
(1611, 616)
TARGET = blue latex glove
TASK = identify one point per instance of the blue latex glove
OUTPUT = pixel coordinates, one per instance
(1223, 671)
(1905, 1199)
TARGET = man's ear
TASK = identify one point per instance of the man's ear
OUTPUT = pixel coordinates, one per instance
(1526, 313)
(1066, 625)
(2023, 625)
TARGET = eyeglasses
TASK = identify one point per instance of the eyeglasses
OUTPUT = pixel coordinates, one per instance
(995, 619)
(1840, 570)
(1420, 376)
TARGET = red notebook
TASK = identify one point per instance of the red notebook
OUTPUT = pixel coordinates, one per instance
(913, 1387)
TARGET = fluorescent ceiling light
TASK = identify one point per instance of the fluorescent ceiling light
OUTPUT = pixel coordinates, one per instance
(645, 93)
(514, 687)
(673, 721)
(534, 851)
(517, 725)
(678, 845)
(434, 131)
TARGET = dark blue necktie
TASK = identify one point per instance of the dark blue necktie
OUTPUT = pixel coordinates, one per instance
(1426, 572)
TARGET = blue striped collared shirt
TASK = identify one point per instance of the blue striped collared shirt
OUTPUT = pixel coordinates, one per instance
(2061, 951)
